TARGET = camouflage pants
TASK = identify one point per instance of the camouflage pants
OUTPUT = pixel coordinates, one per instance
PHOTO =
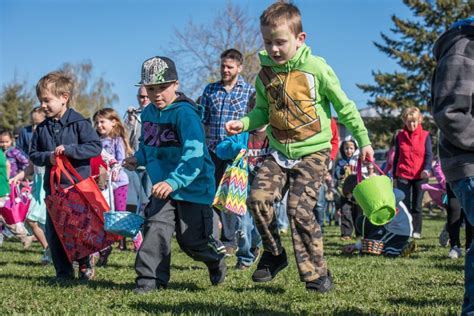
(303, 182)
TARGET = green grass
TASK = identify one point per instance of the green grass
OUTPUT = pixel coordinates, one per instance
(427, 283)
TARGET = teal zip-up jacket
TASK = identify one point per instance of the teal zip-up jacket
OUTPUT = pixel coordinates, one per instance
(302, 125)
(172, 148)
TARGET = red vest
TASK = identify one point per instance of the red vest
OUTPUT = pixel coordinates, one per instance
(411, 154)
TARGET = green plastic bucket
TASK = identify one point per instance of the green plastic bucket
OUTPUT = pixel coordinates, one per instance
(375, 196)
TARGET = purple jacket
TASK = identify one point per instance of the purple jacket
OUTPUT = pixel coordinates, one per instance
(18, 161)
(116, 148)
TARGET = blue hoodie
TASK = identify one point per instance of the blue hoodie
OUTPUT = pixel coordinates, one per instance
(172, 148)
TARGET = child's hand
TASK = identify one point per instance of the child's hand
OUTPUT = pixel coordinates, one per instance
(367, 153)
(59, 150)
(349, 249)
(234, 127)
(161, 190)
(425, 174)
(130, 163)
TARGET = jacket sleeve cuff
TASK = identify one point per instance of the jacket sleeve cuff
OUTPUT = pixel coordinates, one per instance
(363, 140)
(246, 122)
(174, 185)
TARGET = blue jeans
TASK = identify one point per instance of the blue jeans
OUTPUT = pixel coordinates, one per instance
(280, 210)
(248, 239)
(464, 191)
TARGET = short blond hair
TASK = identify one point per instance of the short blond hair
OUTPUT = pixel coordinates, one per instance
(57, 83)
(411, 112)
(281, 10)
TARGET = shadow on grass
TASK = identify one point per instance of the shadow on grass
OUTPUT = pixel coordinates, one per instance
(27, 263)
(201, 308)
(450, 267)
(420, 302)
(270, 289)
(187, 268)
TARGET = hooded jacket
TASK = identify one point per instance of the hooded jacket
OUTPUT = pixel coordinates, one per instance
(303, 127)
(452, 93)
(172, 148)
(78, 137)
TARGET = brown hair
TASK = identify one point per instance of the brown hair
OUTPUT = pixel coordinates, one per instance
(57, 83)
(282, 10)
(233, 54)
(7, 133)
(411, 112)
(118, 130)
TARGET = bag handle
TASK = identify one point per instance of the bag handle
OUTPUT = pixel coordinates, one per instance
(240, 158)
(63, 166)
(359, 169)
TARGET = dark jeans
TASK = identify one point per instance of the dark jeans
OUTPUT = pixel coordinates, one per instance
(413, 200)
(228, 220)
(193, 224)
(61, 263)
(455, 218)
(349, 212)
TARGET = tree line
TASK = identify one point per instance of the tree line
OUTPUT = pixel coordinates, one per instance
(409, 43)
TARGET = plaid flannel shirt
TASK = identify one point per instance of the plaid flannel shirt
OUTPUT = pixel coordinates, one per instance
(221, 106)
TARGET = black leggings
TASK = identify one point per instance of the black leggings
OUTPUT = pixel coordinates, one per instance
(455, 218)
(413, 199)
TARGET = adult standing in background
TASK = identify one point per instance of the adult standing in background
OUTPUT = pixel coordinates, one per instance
(223, 101)
(452, 105)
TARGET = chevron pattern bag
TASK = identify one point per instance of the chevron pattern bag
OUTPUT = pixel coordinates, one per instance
(231, 193)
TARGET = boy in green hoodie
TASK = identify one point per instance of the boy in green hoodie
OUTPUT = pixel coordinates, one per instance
(294, 93)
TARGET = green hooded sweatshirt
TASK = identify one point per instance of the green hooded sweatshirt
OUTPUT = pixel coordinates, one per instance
(295, 102)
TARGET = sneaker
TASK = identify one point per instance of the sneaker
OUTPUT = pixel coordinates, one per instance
(46, 258)
(217, 271)
(86, 273)
(322, 285)
(269, 265)
(455, 253)
(1, 239)
(408, 249)
(241, 266)
(104, 257)
(416, 236)
(345, 238)
(444, 237)
(283, 232)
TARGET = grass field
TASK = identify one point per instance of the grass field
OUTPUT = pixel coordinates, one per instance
(428, 283)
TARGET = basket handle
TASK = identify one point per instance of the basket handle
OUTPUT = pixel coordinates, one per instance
(359, 169)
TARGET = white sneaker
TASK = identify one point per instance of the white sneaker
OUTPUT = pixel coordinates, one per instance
(416, 236)
(455, 253)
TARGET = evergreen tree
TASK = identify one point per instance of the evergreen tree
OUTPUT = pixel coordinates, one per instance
(411, 47)
(16, 103)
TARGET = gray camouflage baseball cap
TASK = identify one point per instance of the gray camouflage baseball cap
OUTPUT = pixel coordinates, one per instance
(158, 70)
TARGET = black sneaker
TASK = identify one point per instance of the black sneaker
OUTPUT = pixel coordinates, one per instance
(269, 265)
(104, 257)
(322, 285)
(241, 266)
(217, 271)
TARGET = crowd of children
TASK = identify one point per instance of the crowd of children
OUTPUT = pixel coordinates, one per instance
(287, 135)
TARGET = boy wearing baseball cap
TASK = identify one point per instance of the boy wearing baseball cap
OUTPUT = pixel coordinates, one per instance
(172, 148)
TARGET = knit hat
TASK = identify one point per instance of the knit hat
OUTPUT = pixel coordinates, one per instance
(158, 70)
